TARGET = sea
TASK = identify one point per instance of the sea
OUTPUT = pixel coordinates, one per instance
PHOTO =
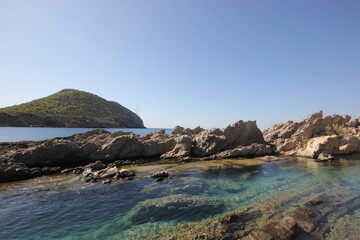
(14, 134)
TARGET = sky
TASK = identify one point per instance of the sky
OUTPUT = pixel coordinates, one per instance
(185, 62)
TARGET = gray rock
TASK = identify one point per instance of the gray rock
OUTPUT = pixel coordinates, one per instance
(324, 157)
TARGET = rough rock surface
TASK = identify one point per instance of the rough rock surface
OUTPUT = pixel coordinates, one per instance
(314, 135)
(99, 147)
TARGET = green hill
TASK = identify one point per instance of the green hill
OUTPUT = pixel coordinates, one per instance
(77, 106)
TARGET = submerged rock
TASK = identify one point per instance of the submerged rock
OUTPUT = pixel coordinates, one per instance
(179, 207)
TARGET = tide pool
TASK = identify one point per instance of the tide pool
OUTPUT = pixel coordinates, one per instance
(63, 207)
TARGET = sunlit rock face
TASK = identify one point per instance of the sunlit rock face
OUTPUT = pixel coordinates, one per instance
(335, 135)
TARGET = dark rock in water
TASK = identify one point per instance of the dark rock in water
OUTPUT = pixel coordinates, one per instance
(324, 157)
(179, 207)
(161, 174)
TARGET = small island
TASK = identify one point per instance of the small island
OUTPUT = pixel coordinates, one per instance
(72, 109)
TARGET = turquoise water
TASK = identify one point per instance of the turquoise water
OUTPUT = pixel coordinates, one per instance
(14, 134)
(63, 207)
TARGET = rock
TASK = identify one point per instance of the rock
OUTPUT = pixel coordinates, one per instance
(179, 207)
(108, 173)
(107, 181)
(178, 130)
(125, 173)
(198, 130)
(324, 157)
(161, 174)
(49, 153)
(206, 143)
(98, 146)
(76, 170)
(314, 135)
(182, 148)
(242, 133)
(253, 150)
(98, 165)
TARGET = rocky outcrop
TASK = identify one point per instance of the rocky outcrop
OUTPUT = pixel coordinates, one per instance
(315, 135)
(98, 147)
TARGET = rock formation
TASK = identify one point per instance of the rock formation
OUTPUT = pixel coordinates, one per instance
(314, 135)
(238, 140)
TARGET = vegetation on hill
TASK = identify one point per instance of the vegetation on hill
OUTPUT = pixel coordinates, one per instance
(73, 103)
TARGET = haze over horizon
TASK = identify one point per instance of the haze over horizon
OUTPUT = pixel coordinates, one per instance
(188, 63)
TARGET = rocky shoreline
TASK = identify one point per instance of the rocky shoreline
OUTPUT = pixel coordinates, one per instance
(316, 137)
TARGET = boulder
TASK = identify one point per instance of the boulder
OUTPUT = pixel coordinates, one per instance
(108, 173)
(125, 173)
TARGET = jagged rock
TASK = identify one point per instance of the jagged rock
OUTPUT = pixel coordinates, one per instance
(242, 133)
(178, 130)
(314, 135)
(181, 149)
(206, 144)
(198, 130)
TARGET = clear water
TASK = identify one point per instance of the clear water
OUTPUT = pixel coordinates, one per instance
(62, 207)
(14, 134)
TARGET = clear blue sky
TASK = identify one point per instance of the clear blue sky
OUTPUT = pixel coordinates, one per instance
(185, 62)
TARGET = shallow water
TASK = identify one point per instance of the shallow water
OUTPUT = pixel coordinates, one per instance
(14, 134)
(63, 207)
